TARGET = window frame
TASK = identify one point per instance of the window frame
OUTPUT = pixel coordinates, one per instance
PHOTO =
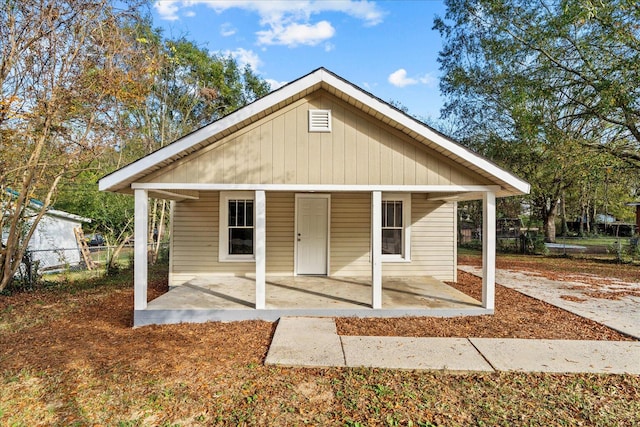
(405, 198)
(223, 230)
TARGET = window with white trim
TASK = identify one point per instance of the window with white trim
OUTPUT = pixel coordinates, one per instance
(237, 230)
(396, 227)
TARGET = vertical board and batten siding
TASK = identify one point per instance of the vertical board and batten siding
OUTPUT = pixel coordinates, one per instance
(279, 149)
(195, 239)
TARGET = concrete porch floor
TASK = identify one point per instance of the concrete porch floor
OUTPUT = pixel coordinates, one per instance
(233, 298)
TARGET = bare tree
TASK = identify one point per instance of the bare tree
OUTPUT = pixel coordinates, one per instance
(66, 68)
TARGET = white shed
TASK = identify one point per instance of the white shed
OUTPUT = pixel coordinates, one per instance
(54, 243)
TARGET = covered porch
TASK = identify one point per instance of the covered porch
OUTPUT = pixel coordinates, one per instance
(232, 298)
(257, 294)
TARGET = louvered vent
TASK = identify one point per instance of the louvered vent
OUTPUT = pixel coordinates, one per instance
(319, 120)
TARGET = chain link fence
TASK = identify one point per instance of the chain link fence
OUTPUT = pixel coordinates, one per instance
(50, 265)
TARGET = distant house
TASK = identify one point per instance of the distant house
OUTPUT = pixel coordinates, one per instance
(53, 244)
(318, 178)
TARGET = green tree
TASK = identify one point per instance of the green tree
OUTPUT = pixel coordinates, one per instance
(546, 88)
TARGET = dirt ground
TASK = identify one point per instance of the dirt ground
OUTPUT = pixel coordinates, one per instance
(69, 356)
(103, 318)
(516, 315)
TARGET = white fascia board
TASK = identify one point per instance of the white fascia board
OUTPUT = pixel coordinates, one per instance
(110, 181)
(153, 186)
(428, 133)
(67, 215)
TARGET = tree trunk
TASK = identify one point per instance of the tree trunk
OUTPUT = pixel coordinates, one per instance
(550, 211)
(113, 262)
(563, 216)
(583, 214)
(156, 248)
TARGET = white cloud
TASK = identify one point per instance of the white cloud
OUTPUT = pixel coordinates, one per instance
(245, 57)
(399, 78)
(429, 80)
(294, 34)
(227, 29)
(167, 9)
(275, 84)
(286, 22)
(189, 13)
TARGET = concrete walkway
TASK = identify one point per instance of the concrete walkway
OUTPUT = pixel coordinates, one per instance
(314, 342)
(621, 314)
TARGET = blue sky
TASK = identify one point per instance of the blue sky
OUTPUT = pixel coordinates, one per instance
(385, 47)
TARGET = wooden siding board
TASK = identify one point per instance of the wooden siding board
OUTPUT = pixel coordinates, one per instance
(315, 159)
(326, 158)
(374, 156)
(229, 163)
(350, 152)
(291, 156)
(409, 166)
(350, 234)
(302, 146)
(362, 152)
(266, 154)
(195, 238)
(397, 161)
(278, 147)
(421, 166)
(338, 141)
(386, 158)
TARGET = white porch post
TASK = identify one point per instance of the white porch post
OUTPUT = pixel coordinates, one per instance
(140, 249)
(260, 248)
(488, 249)
(376, 249)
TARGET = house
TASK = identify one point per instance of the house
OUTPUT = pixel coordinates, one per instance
(53, 245)
(317, 179)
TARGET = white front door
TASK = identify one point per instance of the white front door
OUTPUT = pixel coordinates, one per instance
(312, 233)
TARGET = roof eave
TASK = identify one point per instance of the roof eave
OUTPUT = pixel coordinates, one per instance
(121, 179)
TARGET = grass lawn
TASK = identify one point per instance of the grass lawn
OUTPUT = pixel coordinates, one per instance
(68, 356)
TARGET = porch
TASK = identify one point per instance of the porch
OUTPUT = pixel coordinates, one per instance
(234, 298)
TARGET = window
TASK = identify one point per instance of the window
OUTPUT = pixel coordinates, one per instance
(392, 227)
(396, 221)
(236, 226)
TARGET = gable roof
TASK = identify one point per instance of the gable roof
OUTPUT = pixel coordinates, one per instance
(36, 205)
(121, 179)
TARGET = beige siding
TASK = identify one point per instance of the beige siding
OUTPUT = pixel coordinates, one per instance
(350, 234)
(432, 241)
(432, 238)
(195, 239)
(279, 149)
(280, 233)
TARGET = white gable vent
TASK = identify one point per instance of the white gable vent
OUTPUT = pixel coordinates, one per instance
(319, 120)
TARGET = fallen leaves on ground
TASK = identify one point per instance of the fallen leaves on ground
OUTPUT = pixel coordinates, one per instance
(516, 316)
(69, 356)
